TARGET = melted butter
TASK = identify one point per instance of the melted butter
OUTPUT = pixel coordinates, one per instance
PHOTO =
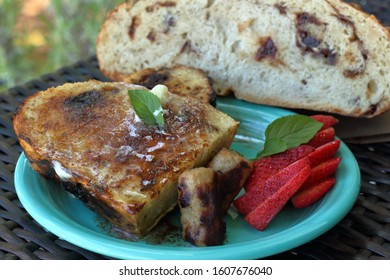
(146, 182)
(161, 91)
(137, 119)
(133, 193)
(157, 112)
(124, 151)
(61, 171)
(156, 147)
(133, 131)
(145, 157)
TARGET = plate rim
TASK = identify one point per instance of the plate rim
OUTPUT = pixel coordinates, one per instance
(74, 232)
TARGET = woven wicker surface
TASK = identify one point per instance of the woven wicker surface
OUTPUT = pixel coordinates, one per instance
(363, 234)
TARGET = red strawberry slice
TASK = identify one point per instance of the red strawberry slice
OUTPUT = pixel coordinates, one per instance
(251, 199)
(265, 167)
(322, 171)
(260, 217)
(324, 152)
(328, 121)
(307, 196)
(322, 137)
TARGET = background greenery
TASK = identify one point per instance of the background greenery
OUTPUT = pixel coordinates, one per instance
(40, 36)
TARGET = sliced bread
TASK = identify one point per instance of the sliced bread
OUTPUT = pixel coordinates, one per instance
(324, 55)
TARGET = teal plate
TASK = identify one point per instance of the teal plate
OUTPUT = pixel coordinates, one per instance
(67, 217)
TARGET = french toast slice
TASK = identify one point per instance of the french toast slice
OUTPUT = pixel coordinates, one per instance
(87, 136)
(180, 79)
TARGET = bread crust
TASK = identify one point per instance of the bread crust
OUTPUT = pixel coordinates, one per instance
(309, 54)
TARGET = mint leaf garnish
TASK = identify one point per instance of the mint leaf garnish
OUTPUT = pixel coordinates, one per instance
(147, 106)
(288, 132)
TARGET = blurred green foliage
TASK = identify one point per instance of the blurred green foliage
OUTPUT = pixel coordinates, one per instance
(62, 33)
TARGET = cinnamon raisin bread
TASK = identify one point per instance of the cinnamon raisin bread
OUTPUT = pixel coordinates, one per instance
(324, 55)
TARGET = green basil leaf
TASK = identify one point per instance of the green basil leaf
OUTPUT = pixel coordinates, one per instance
(272, 146)
(147, 106)
(288, 132)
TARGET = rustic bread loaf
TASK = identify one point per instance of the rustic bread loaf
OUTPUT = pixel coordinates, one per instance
(323, 55)
(86, 135)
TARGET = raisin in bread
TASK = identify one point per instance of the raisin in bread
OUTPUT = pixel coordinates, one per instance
(87, 136)
(324, 55)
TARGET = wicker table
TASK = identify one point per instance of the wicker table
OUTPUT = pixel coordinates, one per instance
(363, 234)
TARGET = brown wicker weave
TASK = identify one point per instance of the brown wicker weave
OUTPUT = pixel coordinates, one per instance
(363, 234)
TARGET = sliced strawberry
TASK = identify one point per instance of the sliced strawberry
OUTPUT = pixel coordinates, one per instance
(260, 217)
(324, 152)
(322, 171)
(322, 137)
(265, 167)
(328, 121)
(251, 199)
(307, 196)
